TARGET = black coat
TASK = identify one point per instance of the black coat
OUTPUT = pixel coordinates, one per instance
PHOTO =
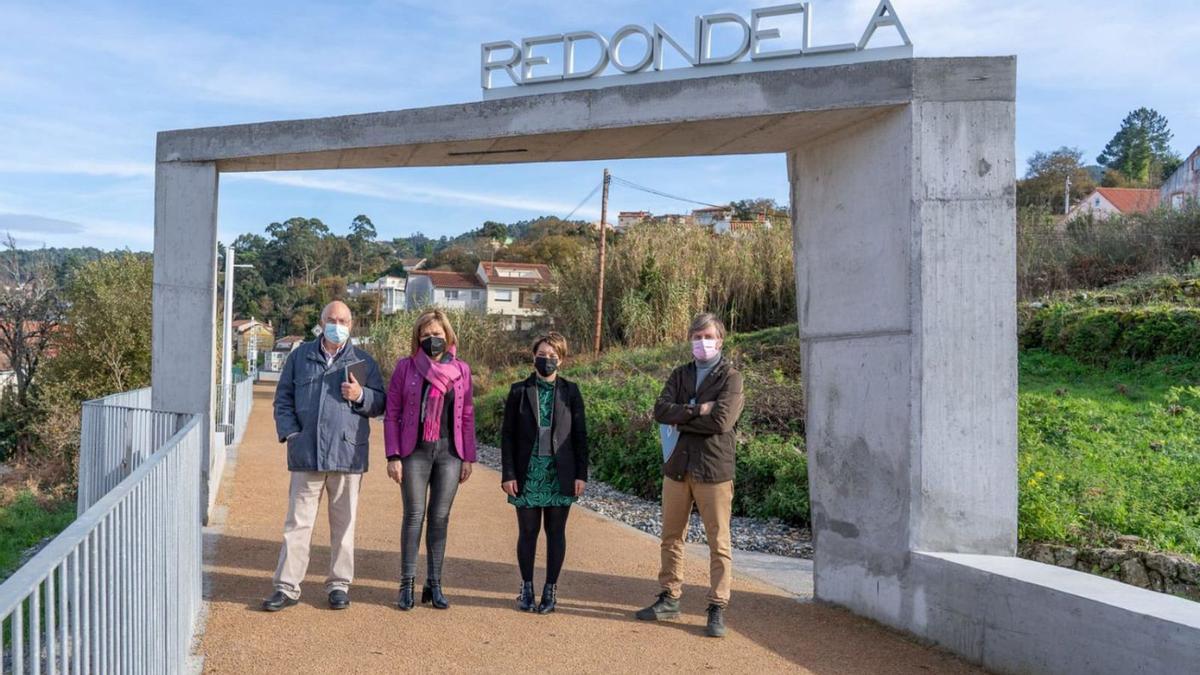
(519, 434)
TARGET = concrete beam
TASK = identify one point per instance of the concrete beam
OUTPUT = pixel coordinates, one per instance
(593, 121)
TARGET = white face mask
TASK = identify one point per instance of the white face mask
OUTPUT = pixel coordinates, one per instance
(337, 333)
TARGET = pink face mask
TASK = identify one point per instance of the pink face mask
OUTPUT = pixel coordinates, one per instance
(705, 350)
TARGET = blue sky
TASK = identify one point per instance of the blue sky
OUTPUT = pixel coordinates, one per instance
(85, 86)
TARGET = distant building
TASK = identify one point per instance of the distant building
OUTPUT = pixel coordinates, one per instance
(251, 332)
(626, 219)
(451, 290)
(1106, 202)
(273, 360)
(1183, 187)
(709, 217)
(515, 291)
(8, 377)
(412, 264)
(391, 291)
(673, 219)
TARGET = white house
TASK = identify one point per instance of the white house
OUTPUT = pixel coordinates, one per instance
(1105, 202)
(1183, 187)
(709, 217)
(515, 290)
(449, 290)
(391, 291)
(626, 219)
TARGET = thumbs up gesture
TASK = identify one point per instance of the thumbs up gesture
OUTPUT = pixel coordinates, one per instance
(351, 391)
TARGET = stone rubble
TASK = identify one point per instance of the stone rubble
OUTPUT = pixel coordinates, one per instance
(748, 534)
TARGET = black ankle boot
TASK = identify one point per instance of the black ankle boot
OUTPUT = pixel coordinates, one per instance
(549, 599)
(432, 593)
(405, 602)
(525, 599)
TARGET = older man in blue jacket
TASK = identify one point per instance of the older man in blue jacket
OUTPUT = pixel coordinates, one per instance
(322, 413)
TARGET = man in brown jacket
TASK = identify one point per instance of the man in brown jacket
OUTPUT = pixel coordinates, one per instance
(703, 399)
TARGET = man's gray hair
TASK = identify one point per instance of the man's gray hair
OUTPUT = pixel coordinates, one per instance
(705, 320)
(325, 309)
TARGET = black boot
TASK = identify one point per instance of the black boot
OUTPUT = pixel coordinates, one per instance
(405, 601)
(432, 593)
(525, 599)
(549, 599)
(665, 607)
(716, 621)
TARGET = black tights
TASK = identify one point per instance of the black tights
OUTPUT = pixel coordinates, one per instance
(529, 524)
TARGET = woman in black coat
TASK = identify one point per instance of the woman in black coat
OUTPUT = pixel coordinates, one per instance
(544, 449)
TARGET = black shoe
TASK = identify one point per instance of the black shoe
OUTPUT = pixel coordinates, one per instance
(339, 599)
(663, 609)
(405, 601)
(525, 599)
(431, 592)
(716, 621)
(278, 601)
(549, 599)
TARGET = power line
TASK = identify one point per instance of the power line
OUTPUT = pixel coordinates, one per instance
(660, 193)
(584, 201)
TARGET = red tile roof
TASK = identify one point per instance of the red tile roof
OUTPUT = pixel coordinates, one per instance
(493, 270)
(1131, 200)
(442, 279)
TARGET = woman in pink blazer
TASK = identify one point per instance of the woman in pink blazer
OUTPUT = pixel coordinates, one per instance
(429, 433)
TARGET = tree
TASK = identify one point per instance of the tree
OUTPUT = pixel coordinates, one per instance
(31, 311)
(750, 209)
(296, 246)
(104, 347)
(361, 240)
(1046, 177)
(1141, 148)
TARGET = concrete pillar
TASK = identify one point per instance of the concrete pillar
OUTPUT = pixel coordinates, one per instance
(185, 296)
(904, 231)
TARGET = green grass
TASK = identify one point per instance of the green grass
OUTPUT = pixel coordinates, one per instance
(1110, 451)
(25, 522)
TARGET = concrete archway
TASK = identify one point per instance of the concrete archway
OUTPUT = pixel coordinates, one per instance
(902, 181)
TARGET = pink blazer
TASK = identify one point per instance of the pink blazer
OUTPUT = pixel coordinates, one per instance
(402, 420)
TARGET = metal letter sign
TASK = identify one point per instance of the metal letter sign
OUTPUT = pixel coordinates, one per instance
(637, 52)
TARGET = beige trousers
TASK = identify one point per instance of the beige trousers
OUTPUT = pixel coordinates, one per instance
(715, 503)
(304, 498)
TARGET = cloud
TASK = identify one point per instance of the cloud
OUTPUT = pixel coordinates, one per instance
(413, 192)
(25, 222)
(84, 167)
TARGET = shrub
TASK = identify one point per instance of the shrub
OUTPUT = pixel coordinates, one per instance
(1104, 334)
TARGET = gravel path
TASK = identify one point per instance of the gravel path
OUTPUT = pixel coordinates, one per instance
(749, 534)
(609, 573)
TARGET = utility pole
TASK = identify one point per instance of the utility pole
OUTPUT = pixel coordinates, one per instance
(1067, 197)
(600, 275)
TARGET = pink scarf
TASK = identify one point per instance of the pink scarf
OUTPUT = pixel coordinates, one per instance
(440, 376)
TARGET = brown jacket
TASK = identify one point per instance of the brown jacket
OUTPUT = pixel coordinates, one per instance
(706, 442)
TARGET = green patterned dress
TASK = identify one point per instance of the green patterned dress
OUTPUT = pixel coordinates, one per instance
(541, 487)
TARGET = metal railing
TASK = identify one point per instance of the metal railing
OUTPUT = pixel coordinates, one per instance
(117, 433)
(243, 399)
(120, 588)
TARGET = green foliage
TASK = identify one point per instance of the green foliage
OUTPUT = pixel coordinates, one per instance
(1100, 334)
(1141, 149)
(1087, 254)
(26, 521)
(1046, 179)
(620, 388)
(483, 341)
(1108, 452)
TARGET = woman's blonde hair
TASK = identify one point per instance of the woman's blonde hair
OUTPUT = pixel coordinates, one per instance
(430, 316)
(555, 340)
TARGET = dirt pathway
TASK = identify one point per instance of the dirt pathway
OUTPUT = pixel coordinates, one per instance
(609, 573)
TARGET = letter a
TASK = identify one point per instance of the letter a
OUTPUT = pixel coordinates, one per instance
(885, 15)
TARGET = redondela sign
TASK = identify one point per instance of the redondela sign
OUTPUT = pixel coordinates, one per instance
(528, 63)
